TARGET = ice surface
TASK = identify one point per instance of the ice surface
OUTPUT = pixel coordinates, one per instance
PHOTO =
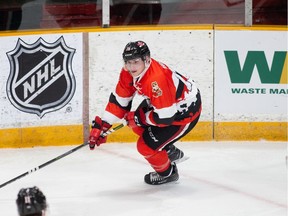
(219, 179)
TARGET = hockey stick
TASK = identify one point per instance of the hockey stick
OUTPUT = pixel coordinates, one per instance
(60, 156)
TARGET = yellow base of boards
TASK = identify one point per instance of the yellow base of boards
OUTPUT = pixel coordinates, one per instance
(41, 136)
(204, 131)
(254, 131)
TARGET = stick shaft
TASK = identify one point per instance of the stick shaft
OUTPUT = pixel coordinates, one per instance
(59, 157)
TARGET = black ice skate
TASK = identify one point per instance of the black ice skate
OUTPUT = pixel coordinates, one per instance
(175, 155)
(153, 178)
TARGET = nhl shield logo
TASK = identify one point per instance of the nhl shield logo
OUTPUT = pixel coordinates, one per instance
(41, 79)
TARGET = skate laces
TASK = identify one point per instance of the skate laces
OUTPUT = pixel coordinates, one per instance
(156, 177)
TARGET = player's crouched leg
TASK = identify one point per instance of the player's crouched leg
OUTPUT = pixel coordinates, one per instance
(165, 171)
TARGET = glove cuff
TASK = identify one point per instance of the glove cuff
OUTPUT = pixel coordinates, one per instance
(106, 126)
(97, 123)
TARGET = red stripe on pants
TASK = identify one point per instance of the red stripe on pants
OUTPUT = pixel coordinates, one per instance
(157, 159)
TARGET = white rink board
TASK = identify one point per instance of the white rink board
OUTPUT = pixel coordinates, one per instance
(189, 52)
(259, 104)
(71, 113)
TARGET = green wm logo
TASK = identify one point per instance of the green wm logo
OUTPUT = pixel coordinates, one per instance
(276, 74)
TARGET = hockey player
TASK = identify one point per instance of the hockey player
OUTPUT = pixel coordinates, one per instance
(31, 202)
(170, 109)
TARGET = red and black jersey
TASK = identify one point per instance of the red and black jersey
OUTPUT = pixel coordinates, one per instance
(173, 99)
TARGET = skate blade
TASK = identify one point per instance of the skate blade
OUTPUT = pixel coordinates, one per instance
(181, 160)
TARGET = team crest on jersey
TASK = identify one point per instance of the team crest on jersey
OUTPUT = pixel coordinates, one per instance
(41, 79)
(156, 89)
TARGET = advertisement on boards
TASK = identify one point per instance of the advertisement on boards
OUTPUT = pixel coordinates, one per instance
(41, 80)
(251, 74)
